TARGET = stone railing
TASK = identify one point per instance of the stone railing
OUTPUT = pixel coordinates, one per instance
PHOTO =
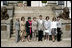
(5, 29)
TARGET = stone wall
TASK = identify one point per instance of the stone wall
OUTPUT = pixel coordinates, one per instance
(66, 28)
(34, 12)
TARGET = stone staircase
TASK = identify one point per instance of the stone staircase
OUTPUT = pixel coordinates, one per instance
(32, 12)
(35, 12)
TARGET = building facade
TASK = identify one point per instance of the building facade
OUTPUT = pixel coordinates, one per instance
(40, 4)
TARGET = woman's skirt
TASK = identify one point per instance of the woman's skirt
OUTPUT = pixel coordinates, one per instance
(53, 31)
(47, 31)
(23, 33)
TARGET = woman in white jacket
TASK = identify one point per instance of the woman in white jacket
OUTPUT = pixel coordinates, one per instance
(53, 28)
(47, 25)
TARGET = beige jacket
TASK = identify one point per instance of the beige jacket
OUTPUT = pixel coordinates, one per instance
(40, 24)
(34, 26)
(22, 25)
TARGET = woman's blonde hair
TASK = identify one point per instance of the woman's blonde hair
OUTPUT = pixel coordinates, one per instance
(54, 19)
(34, 17)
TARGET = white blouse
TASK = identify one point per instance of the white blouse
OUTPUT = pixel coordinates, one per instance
(53, 24)
(40, 21)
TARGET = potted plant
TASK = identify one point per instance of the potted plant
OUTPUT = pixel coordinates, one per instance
(20, 3)
(44, 3)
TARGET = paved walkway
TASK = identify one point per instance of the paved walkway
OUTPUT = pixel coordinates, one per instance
(11, 43)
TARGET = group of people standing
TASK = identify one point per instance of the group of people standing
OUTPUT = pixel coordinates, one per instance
(40, 27)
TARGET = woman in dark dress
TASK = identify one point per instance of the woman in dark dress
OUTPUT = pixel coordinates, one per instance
(29, 28)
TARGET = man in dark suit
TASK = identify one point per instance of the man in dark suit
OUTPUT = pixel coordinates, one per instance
(59, 32)
(40, 25)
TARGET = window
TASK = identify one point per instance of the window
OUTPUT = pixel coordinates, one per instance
(60, 2)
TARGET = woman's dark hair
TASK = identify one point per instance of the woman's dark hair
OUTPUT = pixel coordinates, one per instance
(22, 18)
(54, 19)
(29, 17)
(40, 15)
(47, 17)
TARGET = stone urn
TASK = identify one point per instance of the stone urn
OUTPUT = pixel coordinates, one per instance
(44, 3)
(25, 4)
(20, 4)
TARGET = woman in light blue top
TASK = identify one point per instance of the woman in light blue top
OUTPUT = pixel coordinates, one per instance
(47, 25)
(17, 28)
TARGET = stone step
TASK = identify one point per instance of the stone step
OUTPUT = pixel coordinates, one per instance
(66, 39)
(13, 35)
(63, 38)
(33, 12)
(32, 8)
(65, 21)
(66, 34)
(26, 18)
(12, 38)
(33, 15)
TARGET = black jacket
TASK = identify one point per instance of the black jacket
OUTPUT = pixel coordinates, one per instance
(27, 27)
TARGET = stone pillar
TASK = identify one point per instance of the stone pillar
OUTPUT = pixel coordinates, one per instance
(70, 13)
(35, 3)
(1, 3)
(8, 28)
(5, 24)
(5, 29)
(40, 3)
(68, 3)
(64, 3)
